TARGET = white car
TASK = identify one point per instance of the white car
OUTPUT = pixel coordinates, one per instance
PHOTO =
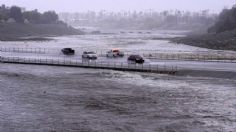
(115, 53)
(89, 55)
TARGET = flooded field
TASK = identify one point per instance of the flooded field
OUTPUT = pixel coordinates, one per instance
(58, 99)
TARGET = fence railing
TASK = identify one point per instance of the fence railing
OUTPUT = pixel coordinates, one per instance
(150, 54)
(25, 50)
(93, 64)
(192, 57)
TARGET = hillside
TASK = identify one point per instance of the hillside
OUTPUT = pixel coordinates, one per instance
(221, 36)
(220, 41)
(17, 24)
(16, 31)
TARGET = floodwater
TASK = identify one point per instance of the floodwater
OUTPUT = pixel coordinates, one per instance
(59, 99)
(146, 40)
(130, 41)
(46, 99)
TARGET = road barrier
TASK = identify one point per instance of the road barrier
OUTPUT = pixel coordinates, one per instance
(191, 57)
(150, 54)
(25, 50)
(96, 65)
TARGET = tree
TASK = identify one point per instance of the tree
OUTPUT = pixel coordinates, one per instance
(226, 21)
(4, 12)
(15, 12)
(32, 16)
(1, 16)
(49, 17)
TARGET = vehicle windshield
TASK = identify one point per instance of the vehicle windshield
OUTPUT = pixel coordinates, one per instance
(90, 52)
(116, 51)
(136, 56)
(67, 49)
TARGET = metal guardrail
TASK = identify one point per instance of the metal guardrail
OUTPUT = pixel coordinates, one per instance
(150, 54)
(25, 50)
(192, 57)
(96, 65)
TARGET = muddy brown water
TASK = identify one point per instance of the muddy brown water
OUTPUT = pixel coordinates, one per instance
(59, 99)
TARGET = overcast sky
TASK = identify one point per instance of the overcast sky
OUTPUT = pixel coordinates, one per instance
(118, 5)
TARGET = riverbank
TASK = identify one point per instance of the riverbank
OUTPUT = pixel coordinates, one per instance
(220, 41)
(34, 32)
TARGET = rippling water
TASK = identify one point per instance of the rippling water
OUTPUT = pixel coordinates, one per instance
(111, 39)
(43, 98)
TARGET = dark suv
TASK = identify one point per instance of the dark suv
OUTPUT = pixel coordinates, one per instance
(136, 58)
(68, 51)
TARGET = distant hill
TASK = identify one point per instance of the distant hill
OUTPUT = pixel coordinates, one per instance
(220, 41)
(221, 36)
(16, 31)
(16, 23)
(226, 21)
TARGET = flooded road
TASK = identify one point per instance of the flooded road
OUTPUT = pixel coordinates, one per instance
(58, 99)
